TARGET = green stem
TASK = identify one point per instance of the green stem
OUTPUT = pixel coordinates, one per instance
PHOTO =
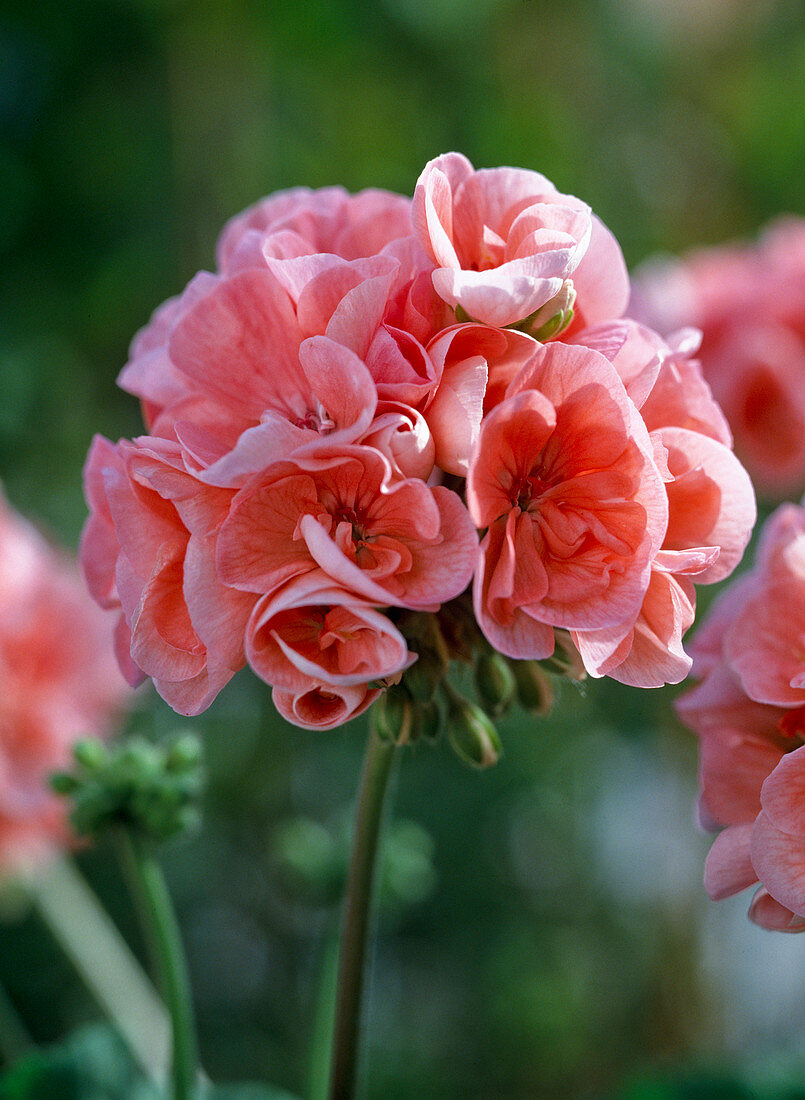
(323, 1021)
(374, 780)
(164, 939)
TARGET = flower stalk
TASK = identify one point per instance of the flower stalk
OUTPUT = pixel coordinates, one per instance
(164, 941)
(357, 914)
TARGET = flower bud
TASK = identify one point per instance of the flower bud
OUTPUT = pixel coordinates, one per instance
(471, 733)
(495, 682)
(152, 789)
(534, 688)
(90, 754)
(393, 716)
(423, 677)
(565, 660)
(428, 720)
(422, 633)
(552, 318)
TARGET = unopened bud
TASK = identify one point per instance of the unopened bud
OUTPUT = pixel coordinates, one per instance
(152, 789)
(472, 734)
(428, 720)
(424, 676)
(534, 688)
(90, 754)
(393, 714)
(565, 660)
(495, 682)
(552, 318)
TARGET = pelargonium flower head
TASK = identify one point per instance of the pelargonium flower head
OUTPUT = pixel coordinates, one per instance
(506, 243)
(59, 683)
(749, 713)
(563, 477)
(320, 408)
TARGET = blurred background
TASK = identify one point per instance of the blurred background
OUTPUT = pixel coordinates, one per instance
(544, 930)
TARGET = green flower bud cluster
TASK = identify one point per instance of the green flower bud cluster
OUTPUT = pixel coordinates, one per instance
(153, 789)
(410, 709)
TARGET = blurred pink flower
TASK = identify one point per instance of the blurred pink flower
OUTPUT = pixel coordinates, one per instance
(749, 713)
(59, 683)
(749, 302)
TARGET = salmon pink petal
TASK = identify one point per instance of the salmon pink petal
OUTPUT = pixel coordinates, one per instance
(681, 397)
(651, 655)
(733, 766)
(728, 868)
(323, 706)
(773, 916)
(239, 344)
(218, 614)
(99, 541)
(766, 644)
(164, 644)
(342, 385)
(455, 412)
(522, 425)
(779, 860)
(403, 436)
(256, 546)
(313, 629)
(193, 695)
(783, 791)
(601, 279)
(504, 295)
(711, 500)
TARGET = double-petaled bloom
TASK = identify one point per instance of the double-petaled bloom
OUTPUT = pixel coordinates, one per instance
(749, 713)
(367, 388)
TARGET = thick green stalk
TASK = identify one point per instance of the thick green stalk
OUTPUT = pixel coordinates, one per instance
(357, 910)
(163, 937)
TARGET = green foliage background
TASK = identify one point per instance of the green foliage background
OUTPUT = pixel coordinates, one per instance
(537, 964)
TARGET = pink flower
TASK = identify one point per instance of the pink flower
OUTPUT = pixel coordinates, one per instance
(749, 712)
(311, 629)
(563, 477)
(711, 512)
(750, 304)
(506, 243)
(391, 542)
(321, 706)
(59, 684)
(328, 220)
(148, 550)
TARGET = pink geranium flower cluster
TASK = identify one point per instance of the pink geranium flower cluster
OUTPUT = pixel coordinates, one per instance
(749, 302)
(59, 683)
(749, 713)
(366, 388)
